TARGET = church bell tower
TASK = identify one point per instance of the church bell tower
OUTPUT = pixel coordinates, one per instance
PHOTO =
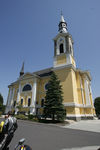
(63, 46)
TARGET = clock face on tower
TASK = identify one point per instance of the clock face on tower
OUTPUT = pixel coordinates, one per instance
(63, 24)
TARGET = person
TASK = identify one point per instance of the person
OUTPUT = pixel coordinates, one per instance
(2, 135)
(10, 127)
(1, 131)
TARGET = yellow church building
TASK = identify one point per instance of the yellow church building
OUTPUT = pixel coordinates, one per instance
(30, 88)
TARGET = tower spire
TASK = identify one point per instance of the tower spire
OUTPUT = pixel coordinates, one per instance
(22, 70)
(62, 25)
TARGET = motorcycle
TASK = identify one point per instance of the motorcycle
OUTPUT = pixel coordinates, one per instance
(20, 145)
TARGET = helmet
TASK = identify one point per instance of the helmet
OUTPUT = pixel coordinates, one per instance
(1, 126)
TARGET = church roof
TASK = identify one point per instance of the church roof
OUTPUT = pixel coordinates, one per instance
(40, 74)
(44, 72)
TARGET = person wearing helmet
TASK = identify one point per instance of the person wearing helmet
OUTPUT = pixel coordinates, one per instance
(2, 135)
(10, 126)
(1, 130)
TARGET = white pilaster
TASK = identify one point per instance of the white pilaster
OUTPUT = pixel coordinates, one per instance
(82, 90)
(69, 59)
(33, 103)
(19, 91)
(12, 98)
(8, 98)
(87, 92)
(8, 106)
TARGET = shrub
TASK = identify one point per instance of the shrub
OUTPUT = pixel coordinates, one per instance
(0, 113)
(21, 116)
(31, 116)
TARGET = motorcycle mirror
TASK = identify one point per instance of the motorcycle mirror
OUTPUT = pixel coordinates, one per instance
(21, 141)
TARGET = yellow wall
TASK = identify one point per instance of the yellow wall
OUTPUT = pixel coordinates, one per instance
(71, 85)
(70, 110)
(68, 84)
(61, 59)
(41, 92)
(80, 88)
(73, 61)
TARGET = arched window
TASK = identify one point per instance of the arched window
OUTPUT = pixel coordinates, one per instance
(61, 48)
(27, 87)
(42, 102)
(46, 86)
(29, 101)
(21, 101)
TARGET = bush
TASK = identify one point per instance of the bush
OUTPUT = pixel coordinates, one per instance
(21, 113)
(21, 116)
(31, 116)
(0, 113)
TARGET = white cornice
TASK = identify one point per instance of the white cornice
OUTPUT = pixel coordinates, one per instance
(86, 72)
(64, 66)
(73, 104)
(61, 34)
(32, 76)
(80, 115)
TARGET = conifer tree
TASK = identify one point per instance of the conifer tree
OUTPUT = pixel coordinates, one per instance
(2, 107)
(53, 101)
(1, 100)
(97, 106)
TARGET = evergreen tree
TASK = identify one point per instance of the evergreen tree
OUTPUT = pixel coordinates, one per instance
(97, 106)
(2, 107)
(53, 101)
(1, 100)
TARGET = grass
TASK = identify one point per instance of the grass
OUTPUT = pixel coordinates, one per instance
(35, 119)
(20, 116)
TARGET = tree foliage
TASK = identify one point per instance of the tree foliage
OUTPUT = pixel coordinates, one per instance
(97, 105)
(53, 106)
(2, 107)
(1, 100)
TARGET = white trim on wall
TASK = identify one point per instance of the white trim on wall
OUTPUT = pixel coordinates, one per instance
(79, 115)
(73, 104)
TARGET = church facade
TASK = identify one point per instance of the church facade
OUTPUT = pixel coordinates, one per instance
(30, 88)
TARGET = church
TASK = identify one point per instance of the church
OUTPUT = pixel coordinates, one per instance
(29, 89)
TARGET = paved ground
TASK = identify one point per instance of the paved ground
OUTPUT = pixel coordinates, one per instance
(87, 125)
(50, 137)
(85, 148)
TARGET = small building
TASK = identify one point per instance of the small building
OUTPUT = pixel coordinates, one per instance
(30, 88)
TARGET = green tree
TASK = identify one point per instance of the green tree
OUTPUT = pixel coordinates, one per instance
(2, 107)
(97, 105)
(53, 100)
(1, 100)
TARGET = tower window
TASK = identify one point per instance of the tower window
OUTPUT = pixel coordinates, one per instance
(61, 48)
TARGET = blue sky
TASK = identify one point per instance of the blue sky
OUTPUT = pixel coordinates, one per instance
(27, 28)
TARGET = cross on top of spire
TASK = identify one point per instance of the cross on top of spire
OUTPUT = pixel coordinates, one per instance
(62, 18)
